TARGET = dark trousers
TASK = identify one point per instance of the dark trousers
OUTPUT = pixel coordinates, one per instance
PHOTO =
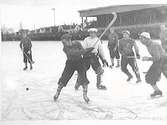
(114, 53)
(165, 49)
(125, 61)
(27, 57)
(154, 73)
(70, 67)
(92, 60)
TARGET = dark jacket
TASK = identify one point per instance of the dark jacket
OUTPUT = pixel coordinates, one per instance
(163, 38)
(25, 44)
(75, 51)
(112, 40)
(156, 51)
(126, 47)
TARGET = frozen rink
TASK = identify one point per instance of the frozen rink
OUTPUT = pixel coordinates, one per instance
(121, 100)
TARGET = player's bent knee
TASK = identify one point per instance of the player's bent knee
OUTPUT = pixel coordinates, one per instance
(100, 71)
(124, 69)
(150, 80)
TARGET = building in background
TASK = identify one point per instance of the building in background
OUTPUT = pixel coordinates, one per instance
(128, 15)
(136, 18)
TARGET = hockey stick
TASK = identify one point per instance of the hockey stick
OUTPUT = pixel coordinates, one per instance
(131, 57)
(108, 27)
(27, 57)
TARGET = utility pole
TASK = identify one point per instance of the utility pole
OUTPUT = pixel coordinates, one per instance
(53, 15)
(34, 27)
(21, 26)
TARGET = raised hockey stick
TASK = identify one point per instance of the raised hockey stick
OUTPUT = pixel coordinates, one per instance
(108, 27)
(131, 57)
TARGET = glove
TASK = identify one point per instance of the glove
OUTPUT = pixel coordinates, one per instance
(105, 63)
(138, 56)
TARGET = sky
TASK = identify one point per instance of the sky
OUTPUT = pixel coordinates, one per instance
(38, 13)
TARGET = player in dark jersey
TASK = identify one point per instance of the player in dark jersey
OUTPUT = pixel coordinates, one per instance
(126, 45)
(163, 37)
(26, 46)
(113, 47)
(74, 62)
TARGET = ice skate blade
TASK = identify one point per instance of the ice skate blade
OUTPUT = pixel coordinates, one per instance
(138, 81)
(24, 69)
(156, 97)
(55, 99)
(87, 101)
(101, 88)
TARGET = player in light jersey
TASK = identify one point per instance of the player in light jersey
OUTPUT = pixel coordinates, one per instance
(92, 58)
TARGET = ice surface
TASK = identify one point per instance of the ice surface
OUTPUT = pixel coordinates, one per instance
(121, 100)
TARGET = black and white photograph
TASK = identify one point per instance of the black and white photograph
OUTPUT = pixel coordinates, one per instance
(100, 60)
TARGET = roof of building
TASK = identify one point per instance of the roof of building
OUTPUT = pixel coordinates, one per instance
(117, 8)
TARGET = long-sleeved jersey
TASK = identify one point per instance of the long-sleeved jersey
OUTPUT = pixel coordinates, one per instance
(112, 40)
(90, 42)
(163, 38)
(75, 51)
(26, 44)
(126, 47)
(156, 51)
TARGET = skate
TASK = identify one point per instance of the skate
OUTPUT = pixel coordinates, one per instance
(118, 66)
(138, 77)
(102, 87)
(156, 94)
(98, 84)
(86, 99)
(33, 62)
(25, 68)
(111, 66)
(138, 81)
(77, 85)
(31, 68)
(56, 97)
(129, 78)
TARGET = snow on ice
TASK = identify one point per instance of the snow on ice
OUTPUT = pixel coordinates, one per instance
(121, 100)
